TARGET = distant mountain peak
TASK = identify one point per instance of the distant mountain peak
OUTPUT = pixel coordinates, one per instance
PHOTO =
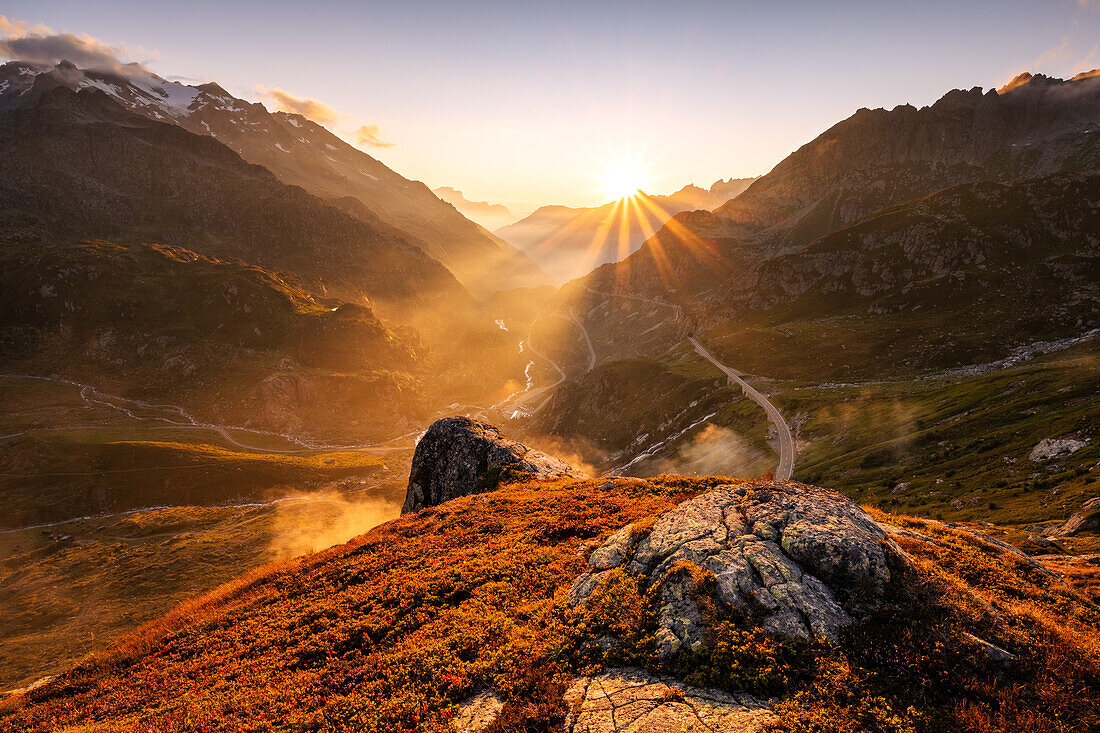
(1028, 79)
(489, 215)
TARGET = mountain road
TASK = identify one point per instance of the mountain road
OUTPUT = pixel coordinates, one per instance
(783, 431)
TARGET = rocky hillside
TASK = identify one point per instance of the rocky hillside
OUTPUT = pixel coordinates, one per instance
(748, 606)
(1032, 127)
(874, 159)
(979, 269)
(240, 345)
(302, 153)
(77, 165)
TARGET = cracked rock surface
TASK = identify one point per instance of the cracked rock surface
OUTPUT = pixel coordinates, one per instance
(477, 713)
(459, 456)
(632, 701)
(801, 560)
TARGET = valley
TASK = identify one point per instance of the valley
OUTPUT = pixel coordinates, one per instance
(291, 441)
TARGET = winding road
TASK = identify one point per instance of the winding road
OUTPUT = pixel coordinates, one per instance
(786, 441)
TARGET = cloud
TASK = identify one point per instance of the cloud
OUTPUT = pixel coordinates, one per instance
(39, 45)
(366, 136)
(371, 137)
(1059, 55)
(319, 112)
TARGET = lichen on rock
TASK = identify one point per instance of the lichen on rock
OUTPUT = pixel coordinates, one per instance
(801, 561)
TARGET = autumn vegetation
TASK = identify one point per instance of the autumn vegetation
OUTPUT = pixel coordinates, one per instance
(391, 631)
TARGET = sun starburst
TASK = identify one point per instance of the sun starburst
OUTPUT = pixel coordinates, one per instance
(623, 178)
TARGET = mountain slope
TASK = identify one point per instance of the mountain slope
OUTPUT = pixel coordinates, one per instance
(874, 159)
(303, 153)
(976, 269)
(76, 164)
(238, 344)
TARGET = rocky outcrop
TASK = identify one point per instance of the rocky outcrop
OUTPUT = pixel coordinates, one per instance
(801, 560)
(632, 701)
(459, 456)
(1085, 520)
(1049, 448)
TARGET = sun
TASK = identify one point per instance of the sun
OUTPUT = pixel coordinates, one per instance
(623, 179)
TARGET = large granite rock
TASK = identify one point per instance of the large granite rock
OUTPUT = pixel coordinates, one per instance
(459, 456)
(801, 560)
(632, 701)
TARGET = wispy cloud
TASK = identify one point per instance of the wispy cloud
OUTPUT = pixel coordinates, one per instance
(319, 112)
(371, 136)
(367, 135)
(42, 46)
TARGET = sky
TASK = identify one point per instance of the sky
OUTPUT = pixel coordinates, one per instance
(528, 103)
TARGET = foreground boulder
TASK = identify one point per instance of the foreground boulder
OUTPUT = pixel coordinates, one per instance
(459, 456)
(804, 561)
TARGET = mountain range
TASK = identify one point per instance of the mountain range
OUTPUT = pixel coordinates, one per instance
(569, 242)
(302, 153)
(876, 158)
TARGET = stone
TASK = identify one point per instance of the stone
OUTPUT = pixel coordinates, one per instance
(803, 561)
(1049, 448)
(988, 651)
(633, 701)
(478, 712)
(460, 456)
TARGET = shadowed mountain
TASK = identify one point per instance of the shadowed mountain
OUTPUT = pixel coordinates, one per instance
(238, 344)
(75, 165)
(300, 152)
(959, 277)
(876, 158)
